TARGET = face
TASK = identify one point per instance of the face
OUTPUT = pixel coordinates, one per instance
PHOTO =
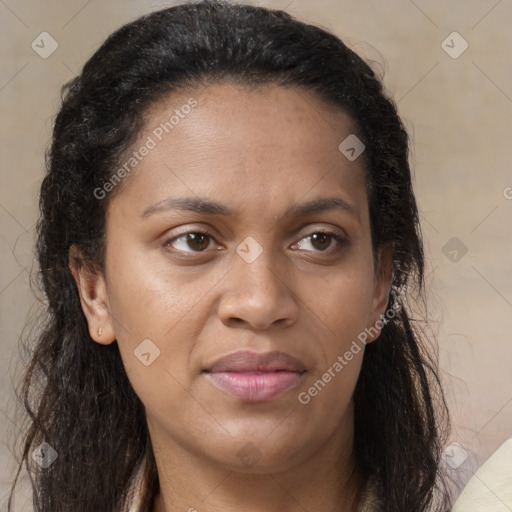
(239, 272)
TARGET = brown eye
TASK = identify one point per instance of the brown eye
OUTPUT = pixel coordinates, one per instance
(190, 242)
(198, 241)
(321, 242)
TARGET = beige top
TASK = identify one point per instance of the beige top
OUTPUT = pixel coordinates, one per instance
(490, 489)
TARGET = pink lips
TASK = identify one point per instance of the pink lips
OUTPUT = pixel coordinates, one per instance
(256, 377)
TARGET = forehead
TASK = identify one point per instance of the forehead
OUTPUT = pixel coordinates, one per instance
(260, 111)
(256, 142)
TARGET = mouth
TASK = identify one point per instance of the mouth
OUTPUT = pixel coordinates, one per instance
(254, 377)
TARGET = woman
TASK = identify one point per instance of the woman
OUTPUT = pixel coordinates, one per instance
(228, 237)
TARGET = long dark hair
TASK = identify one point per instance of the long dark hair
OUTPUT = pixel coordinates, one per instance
(76, 392)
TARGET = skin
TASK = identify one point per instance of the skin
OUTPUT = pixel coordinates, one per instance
(258, 152)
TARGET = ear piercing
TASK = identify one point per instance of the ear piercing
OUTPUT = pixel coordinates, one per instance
(100, 331)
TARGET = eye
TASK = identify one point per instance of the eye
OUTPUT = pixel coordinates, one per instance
(199, 241)
(321, 241)
(193, 241)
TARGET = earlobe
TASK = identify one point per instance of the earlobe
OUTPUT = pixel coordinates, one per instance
(93, 298)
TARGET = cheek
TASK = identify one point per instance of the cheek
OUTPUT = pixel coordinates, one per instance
(341, 303)
(150, 299)
(341, 307)
(328, 391)
(155, 319)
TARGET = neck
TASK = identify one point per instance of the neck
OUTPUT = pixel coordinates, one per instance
(190, 482)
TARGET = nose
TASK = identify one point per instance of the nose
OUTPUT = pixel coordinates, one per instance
(257, 295)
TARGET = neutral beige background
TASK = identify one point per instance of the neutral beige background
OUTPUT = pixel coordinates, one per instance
(458, 111)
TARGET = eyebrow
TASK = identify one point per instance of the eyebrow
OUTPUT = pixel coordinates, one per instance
(209, 207)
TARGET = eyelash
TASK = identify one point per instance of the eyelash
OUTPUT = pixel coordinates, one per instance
(339, 239)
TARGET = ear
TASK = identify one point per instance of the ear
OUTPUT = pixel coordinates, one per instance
(93, 298)
(382, 288)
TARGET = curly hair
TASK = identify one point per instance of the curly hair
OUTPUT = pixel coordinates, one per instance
(76, 392)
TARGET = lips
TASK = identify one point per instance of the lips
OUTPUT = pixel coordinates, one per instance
(254, 377)
(254, 362)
